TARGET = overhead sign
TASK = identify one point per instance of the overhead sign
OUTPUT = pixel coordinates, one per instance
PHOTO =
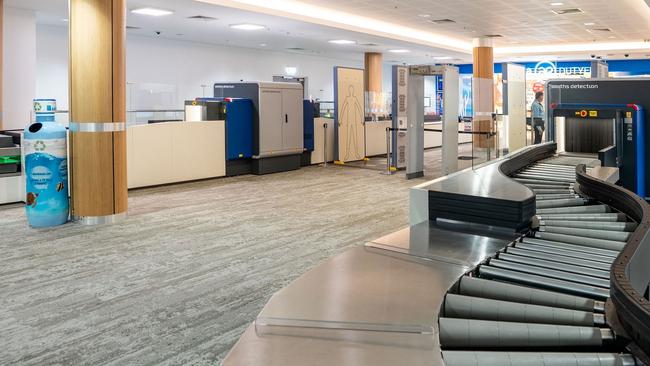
(547, 67)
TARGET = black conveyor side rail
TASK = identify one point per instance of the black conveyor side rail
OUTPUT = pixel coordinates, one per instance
(630, 274)
(527, 157)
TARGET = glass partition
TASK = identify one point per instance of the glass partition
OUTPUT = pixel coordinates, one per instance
(136, 117)
(378, 106)
(326, 109)
(484, 122)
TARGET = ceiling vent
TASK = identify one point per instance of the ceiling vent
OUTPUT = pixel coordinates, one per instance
(568, 11)
(296, 49)
(202, 18)
(493, 36)
(369, 44)
(132, 27)
(441, 21)
(601, 29)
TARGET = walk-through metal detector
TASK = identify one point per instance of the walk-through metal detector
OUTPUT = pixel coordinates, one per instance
(408, 112)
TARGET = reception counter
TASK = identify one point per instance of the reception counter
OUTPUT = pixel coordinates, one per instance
(170, 152)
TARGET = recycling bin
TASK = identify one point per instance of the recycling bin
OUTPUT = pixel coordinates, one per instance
(46, 171)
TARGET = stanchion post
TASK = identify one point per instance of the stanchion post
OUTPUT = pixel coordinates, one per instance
(388, 170)
(325, 144)
(489, 147)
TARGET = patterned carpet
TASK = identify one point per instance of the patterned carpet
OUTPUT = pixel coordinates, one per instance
(180, 280)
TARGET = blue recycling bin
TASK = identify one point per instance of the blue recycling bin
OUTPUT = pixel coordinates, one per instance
(46, 171)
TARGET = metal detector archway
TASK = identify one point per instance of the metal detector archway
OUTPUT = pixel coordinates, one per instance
(408, 113)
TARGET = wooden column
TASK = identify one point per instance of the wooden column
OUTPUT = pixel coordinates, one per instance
(483, 91)
(98, 110)
(373, 62)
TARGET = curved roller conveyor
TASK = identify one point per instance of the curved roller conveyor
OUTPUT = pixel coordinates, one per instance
(545, 291)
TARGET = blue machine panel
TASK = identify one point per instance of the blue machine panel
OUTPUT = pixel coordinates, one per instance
(308, 125)
(239, 129)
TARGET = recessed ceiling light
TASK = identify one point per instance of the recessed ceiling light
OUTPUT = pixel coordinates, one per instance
(568, 11)
(248, 27)
(204, 18)
(263, 44)
(557, 4)
(424, 15)
(399, 51)
(443, 58)
(590, 23)
(341, 41)
(441, 21)
(152, 11)
(611, 37)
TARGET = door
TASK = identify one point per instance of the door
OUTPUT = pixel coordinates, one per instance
(271, 121)
(292, 130)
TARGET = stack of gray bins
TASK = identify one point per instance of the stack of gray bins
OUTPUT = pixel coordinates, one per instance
(9, 155)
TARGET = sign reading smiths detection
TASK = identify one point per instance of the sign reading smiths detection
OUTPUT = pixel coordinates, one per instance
(548, 67)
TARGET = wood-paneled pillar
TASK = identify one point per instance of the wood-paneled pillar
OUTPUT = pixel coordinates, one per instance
(98, 110)
(373, 62)
(483, 91)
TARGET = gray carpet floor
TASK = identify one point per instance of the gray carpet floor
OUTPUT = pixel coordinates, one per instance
(178, 282)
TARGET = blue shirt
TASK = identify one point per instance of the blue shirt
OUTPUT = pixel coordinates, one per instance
(537, 110)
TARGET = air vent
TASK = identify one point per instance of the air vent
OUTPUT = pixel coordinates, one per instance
(369, 44)
(132, 27)
(202, 18)
(567, 11)
(441, 21)
(296, 49)
(493, 36)
(602, 29)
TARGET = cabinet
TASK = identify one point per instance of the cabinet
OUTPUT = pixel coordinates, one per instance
(280, 119)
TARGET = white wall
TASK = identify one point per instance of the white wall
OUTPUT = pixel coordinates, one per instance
(19, 56)
(162, 74)
(52, 64)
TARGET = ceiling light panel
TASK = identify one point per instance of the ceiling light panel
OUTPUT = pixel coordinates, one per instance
(342, 41)
(152, 12)
(247, 26)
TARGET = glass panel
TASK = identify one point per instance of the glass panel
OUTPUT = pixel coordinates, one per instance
(326, 109)
(484, 126)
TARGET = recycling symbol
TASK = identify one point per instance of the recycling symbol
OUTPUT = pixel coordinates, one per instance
(39, 145)
(37, 106)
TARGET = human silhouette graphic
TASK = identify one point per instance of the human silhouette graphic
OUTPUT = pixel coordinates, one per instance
(351, 113)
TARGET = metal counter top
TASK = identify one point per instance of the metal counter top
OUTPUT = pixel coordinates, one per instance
(375, 305)
(362, 289)
(429, 240)
(485, 182)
